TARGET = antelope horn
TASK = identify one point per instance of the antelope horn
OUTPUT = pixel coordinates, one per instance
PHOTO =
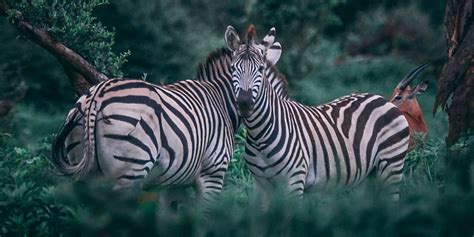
(410, 76)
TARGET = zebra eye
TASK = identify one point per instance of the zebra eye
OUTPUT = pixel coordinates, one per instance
(260, 69)
(232, 67)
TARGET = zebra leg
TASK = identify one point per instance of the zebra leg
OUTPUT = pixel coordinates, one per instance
(297, 182)
(209, 185)
(390, 172)
(262, 191)
(172, 197)
(290, 188)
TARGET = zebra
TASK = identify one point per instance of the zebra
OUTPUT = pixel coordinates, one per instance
(140, 134)
(302, 148)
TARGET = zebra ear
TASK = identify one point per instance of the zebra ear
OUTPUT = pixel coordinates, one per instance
(232, 39)
(273, 53)
(269, 39)
(271, 49)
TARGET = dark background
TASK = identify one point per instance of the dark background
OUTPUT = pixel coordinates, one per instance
(330, 48)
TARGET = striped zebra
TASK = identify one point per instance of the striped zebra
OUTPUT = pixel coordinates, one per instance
(137, 133)
(298, 147)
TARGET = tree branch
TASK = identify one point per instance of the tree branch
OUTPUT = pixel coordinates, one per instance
(79, 84)
(62, 52)
(81, 73)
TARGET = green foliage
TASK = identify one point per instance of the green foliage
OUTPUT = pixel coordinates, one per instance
(299, 26)
(238, 180)
(27, 125)
(176, 35)
(171, 40)
(168, 38)
(24, 63)
(72, 23)
(425, 165)
(27, 206)
(437, 196)
(398, 30)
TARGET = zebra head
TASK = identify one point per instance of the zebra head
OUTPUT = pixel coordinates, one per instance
(250, 59)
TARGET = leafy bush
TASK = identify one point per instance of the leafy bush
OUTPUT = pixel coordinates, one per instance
(73, 24)
(27, 203)
(437, 196)
(168, 40)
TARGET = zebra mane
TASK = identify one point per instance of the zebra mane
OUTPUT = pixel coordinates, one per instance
(223, 57)
(219, 57)
(281, 83)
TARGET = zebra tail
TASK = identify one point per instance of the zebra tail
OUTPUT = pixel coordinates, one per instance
(59, 157)
(78, 169)
(86, 164)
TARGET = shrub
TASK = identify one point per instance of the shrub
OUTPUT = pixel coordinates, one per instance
(27, 203)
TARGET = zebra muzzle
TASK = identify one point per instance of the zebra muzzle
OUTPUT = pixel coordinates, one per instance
(244, 103)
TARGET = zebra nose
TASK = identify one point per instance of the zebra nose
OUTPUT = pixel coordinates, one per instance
(244, 102)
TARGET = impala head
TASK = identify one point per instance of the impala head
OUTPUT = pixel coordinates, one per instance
(403, 94)
(250, 59)
(404, 97)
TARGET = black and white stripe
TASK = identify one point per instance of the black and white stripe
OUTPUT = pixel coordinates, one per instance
(309, 147)
(137, 133)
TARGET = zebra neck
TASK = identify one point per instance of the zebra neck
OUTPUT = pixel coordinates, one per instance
(265, 114)
(215, 70)
(225, 91)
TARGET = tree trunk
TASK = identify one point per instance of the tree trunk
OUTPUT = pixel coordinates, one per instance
(456, 82)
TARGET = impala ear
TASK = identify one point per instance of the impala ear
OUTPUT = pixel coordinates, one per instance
(232, 39)
(420, 88)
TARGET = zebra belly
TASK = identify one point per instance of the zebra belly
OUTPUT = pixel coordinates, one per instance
(180, 157)
(174, 170)
(337, 168)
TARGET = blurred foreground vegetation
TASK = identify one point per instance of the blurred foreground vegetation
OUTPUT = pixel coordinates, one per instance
(437, 200)
(331, 48)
